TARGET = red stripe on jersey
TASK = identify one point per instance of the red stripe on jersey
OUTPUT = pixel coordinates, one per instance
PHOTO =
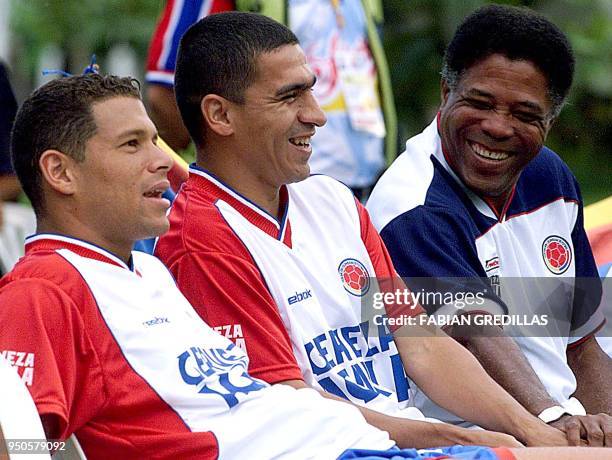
(157, 41)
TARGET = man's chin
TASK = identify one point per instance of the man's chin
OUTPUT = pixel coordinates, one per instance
(156, 229)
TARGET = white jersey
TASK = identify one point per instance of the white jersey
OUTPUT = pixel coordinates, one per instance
(296, 284)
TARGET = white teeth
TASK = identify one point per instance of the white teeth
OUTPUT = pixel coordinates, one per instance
(483, 152)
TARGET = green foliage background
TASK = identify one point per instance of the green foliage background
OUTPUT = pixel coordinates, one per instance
(415, 34)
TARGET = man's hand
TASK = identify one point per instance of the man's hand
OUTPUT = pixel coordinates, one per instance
(596, 430)
(466, 437)
(544, 435)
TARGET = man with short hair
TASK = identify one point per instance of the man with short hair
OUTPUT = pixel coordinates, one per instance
(341, 43)
(260, 249)
(477, 198)
(107, 345)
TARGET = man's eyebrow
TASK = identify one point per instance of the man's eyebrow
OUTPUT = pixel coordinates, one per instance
(528, 104)
(479, 92)
(296, 86)
(138, 132)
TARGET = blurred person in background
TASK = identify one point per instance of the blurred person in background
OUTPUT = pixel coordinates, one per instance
(343, 48)
(15, 220)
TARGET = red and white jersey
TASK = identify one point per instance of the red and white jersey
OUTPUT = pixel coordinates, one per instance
(119, 357)
(290, 291)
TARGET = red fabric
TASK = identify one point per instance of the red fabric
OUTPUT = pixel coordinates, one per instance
(218, 276)
(157, 41)
(388, 279)
(80, 377)
(156, 47)
(503, 453)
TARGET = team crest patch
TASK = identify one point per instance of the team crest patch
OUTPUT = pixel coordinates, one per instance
(557, 254)
(355, 277)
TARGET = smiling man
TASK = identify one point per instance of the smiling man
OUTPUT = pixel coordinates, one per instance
(265, 252)
(477, 202)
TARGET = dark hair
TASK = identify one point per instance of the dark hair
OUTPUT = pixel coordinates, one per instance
(217, 55)
(518, 34)
(59, 116)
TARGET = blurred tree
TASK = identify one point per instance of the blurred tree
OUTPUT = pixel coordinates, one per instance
(80, 27)
(416, 34)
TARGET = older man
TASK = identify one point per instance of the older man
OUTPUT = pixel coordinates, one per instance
(476, 196)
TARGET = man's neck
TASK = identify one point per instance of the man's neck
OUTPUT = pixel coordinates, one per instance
(263, 195)
(123, 250)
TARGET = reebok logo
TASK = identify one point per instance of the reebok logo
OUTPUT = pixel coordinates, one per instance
(155, 321)
(299, 296)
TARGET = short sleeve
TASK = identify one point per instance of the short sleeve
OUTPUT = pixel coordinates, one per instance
(434, 252)
(386, 275)
(43, 337)
(586, 315)
(229, 293)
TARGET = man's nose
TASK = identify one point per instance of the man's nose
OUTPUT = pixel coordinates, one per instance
(497, 125)
(160, 159)
(311, 112)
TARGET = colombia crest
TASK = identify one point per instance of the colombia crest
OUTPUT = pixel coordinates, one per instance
(354, 276)
(557, 254)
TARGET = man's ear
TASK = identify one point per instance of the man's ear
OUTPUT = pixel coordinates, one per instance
(58, 172)
(215, 113)
(444, 92)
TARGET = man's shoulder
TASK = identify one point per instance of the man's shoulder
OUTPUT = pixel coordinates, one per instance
(322, 198)
(322, 188)
(44, 276)
(46, 266)
(546, 179)
(410, 182)
(196, 225)
(549, 168)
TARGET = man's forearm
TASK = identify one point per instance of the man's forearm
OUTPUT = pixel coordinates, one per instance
(409, 433)
(593, 370)
(432, 362)
(504, 361)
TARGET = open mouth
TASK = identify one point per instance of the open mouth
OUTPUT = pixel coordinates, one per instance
(157, 191)
(302, 142)
(484, 152)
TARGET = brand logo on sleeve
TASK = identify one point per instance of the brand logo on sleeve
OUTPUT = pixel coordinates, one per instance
(355, 277)
(557, 254)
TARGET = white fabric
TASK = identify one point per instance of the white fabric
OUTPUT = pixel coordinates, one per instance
(326, 327)
(18, 222)
(19, 419)
(202, 375)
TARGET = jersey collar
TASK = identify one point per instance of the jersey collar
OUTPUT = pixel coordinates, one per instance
(53, 242)
(216, 189)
